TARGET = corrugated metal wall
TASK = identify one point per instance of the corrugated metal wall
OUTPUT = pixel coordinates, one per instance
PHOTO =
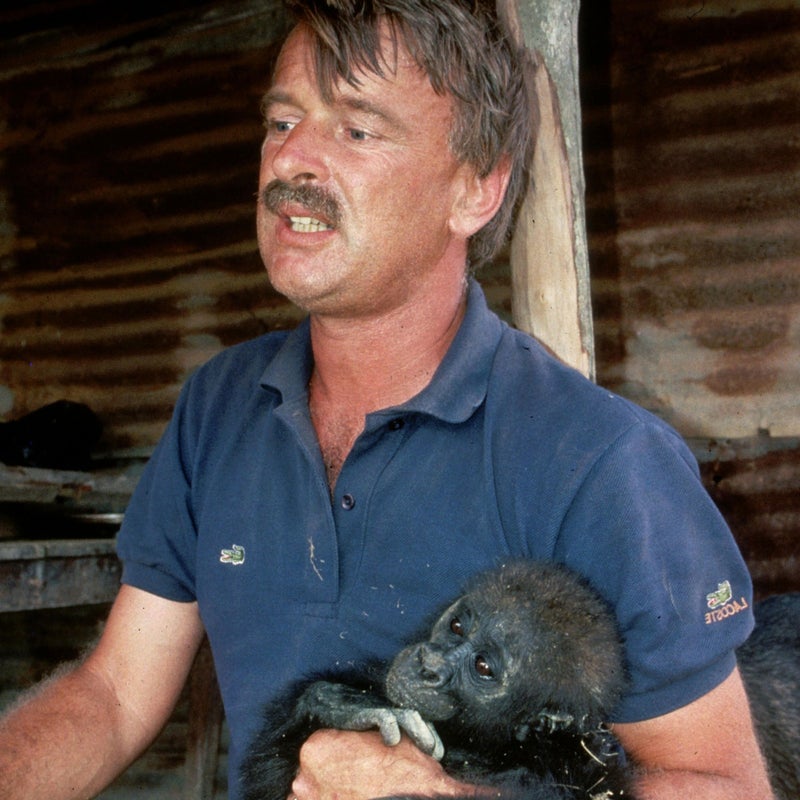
(128, 149)
(693, 213)
(128, 158)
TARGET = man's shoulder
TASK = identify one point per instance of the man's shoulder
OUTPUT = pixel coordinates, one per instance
(243, 360)
(231, 378)
(554, 434)
(544, 395)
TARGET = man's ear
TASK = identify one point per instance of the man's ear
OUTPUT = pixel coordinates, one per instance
(479, 198)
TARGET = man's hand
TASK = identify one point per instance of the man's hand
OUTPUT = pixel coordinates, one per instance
(343, 765)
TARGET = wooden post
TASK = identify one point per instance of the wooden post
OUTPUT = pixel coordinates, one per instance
(549, 261)
(205, 726)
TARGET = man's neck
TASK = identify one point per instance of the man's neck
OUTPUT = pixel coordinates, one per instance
(374, 363)
(363, 365)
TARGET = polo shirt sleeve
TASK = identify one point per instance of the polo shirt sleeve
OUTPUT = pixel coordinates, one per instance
(644, 531)
(157, 541)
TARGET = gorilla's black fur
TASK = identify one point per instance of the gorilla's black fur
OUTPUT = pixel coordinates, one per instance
(517, 675)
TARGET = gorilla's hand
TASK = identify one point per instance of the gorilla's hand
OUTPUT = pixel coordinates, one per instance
(335, 705)
(393, 721)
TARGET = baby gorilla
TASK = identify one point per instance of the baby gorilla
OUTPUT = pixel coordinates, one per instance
(517, 675)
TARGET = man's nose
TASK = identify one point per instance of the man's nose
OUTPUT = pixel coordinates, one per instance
(301, 155)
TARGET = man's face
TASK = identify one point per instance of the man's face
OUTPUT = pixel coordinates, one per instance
(356, 195)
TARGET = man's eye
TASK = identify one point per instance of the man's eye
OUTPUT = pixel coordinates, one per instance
(357, 135)
(279, 126)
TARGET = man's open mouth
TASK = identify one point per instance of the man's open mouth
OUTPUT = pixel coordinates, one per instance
(307, 208)
(308, 225)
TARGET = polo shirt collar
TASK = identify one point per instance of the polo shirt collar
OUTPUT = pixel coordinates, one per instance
(460, 383)
(289, 371)
(457, 389)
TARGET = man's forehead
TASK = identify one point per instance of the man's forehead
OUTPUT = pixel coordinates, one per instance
(393, 60)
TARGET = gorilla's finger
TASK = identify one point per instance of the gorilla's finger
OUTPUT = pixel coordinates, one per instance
(386, 722)
(422, 733)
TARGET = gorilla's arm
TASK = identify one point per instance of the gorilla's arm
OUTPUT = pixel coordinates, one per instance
(335, 705)
(271, 765)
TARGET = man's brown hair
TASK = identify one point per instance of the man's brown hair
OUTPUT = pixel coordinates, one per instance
(462, 48)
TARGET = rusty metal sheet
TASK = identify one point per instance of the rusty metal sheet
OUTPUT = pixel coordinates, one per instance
(692, 140)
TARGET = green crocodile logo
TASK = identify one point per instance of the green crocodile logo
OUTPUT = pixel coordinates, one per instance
(721, 596)
(233, 556)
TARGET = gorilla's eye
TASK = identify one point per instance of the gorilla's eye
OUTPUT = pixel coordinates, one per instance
(456, 626)
(483, 669)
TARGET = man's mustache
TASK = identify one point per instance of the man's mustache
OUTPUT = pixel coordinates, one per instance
(314, 199)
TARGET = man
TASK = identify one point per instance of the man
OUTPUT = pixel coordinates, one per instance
(319, 493)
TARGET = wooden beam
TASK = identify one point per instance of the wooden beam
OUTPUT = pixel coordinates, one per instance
(57, 573)
(100, 491)
(549, 262)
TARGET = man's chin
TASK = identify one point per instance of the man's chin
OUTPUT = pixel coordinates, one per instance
(307, 292)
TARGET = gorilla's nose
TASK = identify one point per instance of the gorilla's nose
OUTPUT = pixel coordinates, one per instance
(437, 665)
(433, 668)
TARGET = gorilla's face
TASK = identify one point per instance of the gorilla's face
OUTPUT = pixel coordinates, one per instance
(523, 648)
(472, 663)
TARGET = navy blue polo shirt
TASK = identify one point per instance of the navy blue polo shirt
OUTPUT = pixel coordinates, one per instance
(506, 453)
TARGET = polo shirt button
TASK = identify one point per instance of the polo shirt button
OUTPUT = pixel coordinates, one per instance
(348, 501)
(396, 424)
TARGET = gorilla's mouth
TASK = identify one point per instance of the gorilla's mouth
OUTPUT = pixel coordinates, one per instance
(433, 704)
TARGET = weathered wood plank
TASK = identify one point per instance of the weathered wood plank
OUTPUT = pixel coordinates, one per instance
(101, 491)
(56, 573)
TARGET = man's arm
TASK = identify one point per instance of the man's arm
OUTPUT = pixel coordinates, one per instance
(705, 750)
(78, 731)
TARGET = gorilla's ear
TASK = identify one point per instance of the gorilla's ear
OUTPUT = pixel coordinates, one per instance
(546, 721)
(551, 721)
